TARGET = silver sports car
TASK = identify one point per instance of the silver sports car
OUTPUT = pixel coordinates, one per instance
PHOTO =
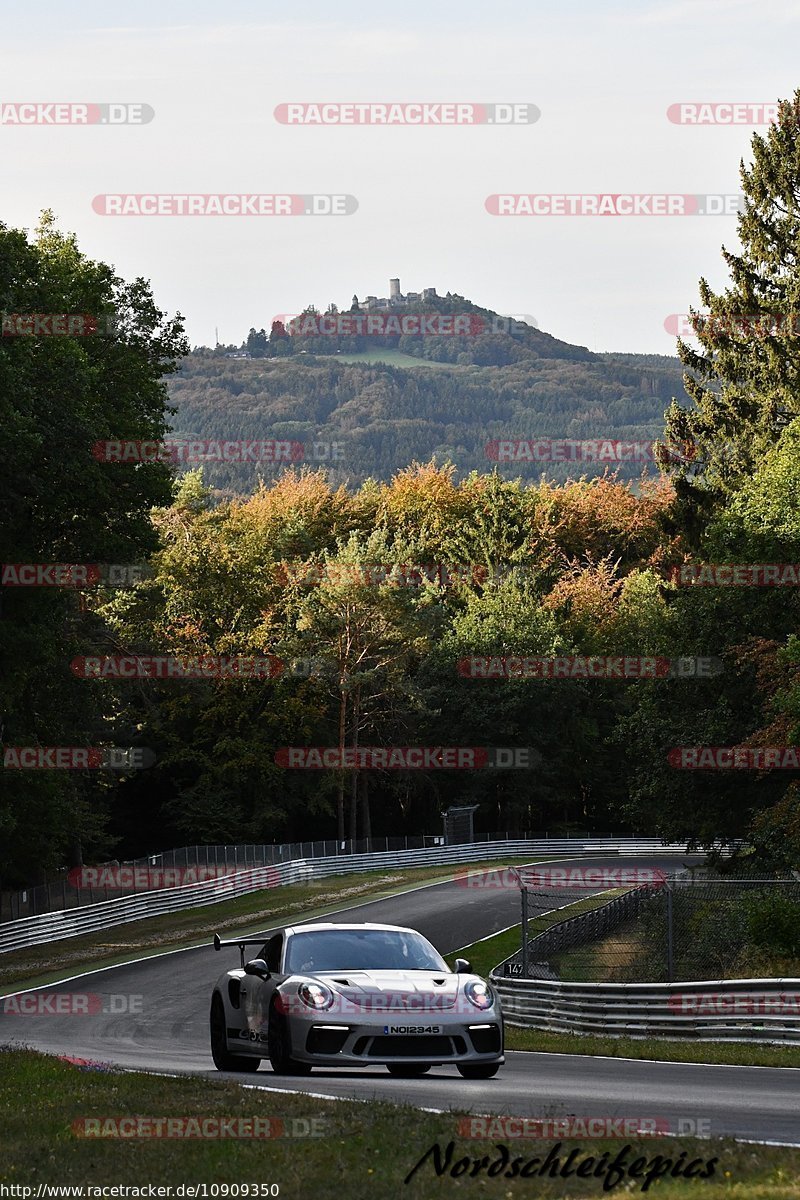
(328, 995)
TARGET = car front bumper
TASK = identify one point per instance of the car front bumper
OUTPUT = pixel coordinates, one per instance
(383, 1041)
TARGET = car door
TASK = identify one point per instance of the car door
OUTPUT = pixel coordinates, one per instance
(257, 993)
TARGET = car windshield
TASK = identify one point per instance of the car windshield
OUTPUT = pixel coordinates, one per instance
(362, 950)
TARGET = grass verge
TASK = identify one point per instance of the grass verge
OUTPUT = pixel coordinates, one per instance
(742, 1054)
(251, 913)
(365, 1150)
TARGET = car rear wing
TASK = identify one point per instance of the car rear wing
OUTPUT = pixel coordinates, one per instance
(240, 942)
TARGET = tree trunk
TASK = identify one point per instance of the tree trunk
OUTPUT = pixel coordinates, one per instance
(366, 821)
(340, 784)
(354, 782)
(353, 804)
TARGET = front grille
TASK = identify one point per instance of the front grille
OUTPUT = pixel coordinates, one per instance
(414, 1046)
(486, 1040)
(322, 1040)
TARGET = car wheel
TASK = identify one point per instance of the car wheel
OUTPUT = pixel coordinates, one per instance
(279, 1047)
(408, 1070)
(223, 1059)
(478, 1070)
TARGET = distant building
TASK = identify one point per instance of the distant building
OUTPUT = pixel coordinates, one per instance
(395, 299)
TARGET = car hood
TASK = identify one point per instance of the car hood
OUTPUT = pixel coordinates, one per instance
(390, 990)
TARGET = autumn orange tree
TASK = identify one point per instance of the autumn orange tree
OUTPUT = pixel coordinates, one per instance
(355, 613)
(384, 591)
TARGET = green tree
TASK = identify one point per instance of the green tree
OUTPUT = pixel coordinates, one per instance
(745, 378)
(59, 396)
(257, 343)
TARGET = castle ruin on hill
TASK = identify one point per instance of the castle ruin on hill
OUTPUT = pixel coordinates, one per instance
(395, 299)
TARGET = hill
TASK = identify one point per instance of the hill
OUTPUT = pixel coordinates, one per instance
(362, 407)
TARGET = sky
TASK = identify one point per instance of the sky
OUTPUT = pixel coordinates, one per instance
(601, 75)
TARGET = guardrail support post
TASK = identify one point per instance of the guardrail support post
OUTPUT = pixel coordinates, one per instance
(524, 892)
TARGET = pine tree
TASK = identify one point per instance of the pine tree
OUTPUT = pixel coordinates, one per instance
(745, 379)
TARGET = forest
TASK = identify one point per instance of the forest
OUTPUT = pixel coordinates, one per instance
(381, 417)
(431, 612)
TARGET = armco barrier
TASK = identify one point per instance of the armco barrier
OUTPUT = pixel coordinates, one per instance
(57, 892)
(738, 1010)
(55, 926)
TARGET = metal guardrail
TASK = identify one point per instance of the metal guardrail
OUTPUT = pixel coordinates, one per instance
(765, 1011)
(56, 926)
(58, 893)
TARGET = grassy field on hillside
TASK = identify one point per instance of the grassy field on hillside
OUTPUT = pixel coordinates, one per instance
(393, 358)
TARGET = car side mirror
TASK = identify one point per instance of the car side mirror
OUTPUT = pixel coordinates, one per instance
(463, 966)
(258, 967)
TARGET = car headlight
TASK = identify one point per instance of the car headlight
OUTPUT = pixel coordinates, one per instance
(315, 995)
(479, 993)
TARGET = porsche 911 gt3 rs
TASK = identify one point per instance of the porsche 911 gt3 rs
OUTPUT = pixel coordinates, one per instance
(331, 995)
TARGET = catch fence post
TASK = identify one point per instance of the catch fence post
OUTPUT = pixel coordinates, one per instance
(670, 948)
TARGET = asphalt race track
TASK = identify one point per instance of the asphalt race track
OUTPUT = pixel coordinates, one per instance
(153, 1015)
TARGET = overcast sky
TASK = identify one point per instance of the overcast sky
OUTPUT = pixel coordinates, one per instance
(602, 76)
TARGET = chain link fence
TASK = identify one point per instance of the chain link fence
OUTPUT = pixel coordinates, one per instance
(698, 925)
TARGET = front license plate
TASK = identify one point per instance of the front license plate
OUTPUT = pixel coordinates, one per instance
(406, 1029)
